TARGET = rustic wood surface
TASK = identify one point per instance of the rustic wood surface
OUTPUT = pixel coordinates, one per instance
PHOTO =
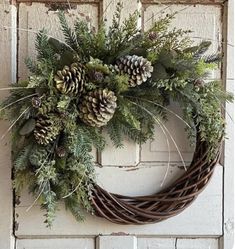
(141, 173)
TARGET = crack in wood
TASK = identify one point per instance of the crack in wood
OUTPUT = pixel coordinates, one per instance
(176, 241)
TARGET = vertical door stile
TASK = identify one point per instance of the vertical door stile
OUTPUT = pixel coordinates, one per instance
(8, 17)
(227, 241)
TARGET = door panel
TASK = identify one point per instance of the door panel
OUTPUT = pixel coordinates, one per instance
(134, 169)
(178, 243)
(201, 219)
(142, 243)
(36, 16)
(56, 243)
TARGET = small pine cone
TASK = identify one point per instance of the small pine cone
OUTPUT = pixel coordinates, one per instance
(71, 79)
(63, 115)
(60, 151)
(97, 107)
(199, 83)
(36, 102)
(138, 68)
(152, 35)
(98, 76)
(47, 128)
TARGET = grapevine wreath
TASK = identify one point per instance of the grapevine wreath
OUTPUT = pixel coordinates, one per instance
(119, 79)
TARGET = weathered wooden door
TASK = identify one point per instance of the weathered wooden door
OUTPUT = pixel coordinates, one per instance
(135, 169)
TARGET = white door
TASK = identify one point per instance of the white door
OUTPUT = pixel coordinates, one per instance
(140, 169)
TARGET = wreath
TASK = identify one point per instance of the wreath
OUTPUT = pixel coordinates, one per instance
(120, 79)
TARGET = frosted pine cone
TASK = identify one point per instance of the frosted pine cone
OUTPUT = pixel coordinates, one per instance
(138, 68)
(97, 107)
(71, 79)
(47, 128)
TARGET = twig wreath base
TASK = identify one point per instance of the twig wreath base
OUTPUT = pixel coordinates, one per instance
(155, 208)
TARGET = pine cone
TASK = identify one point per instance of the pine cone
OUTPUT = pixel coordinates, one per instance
(138, 68)
(71, 79)
(60, 151)
(47, 128)
(199, 83)
(97, 107)
(36, 102)
(153, 35)
(98, 76)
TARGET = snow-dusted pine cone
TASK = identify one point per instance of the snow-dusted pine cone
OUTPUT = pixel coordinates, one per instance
(47, 128)
(138, 68)
(71, 79)
(97, 107)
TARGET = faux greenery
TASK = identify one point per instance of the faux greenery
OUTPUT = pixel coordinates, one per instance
(51, 136)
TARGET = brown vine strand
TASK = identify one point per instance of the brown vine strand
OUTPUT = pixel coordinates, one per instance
(170, 202)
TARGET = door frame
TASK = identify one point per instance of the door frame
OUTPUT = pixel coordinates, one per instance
(7, 238)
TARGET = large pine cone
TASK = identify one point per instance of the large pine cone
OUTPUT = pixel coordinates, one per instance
(97, 107)
(138, 68)
(71, 79)
(47, 128)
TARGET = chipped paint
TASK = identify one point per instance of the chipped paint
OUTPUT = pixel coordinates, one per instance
(17, 200)
(58, 1)
(54, 6)
(229, 226)
(188, 2)
(16, 226)
(119, 234)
